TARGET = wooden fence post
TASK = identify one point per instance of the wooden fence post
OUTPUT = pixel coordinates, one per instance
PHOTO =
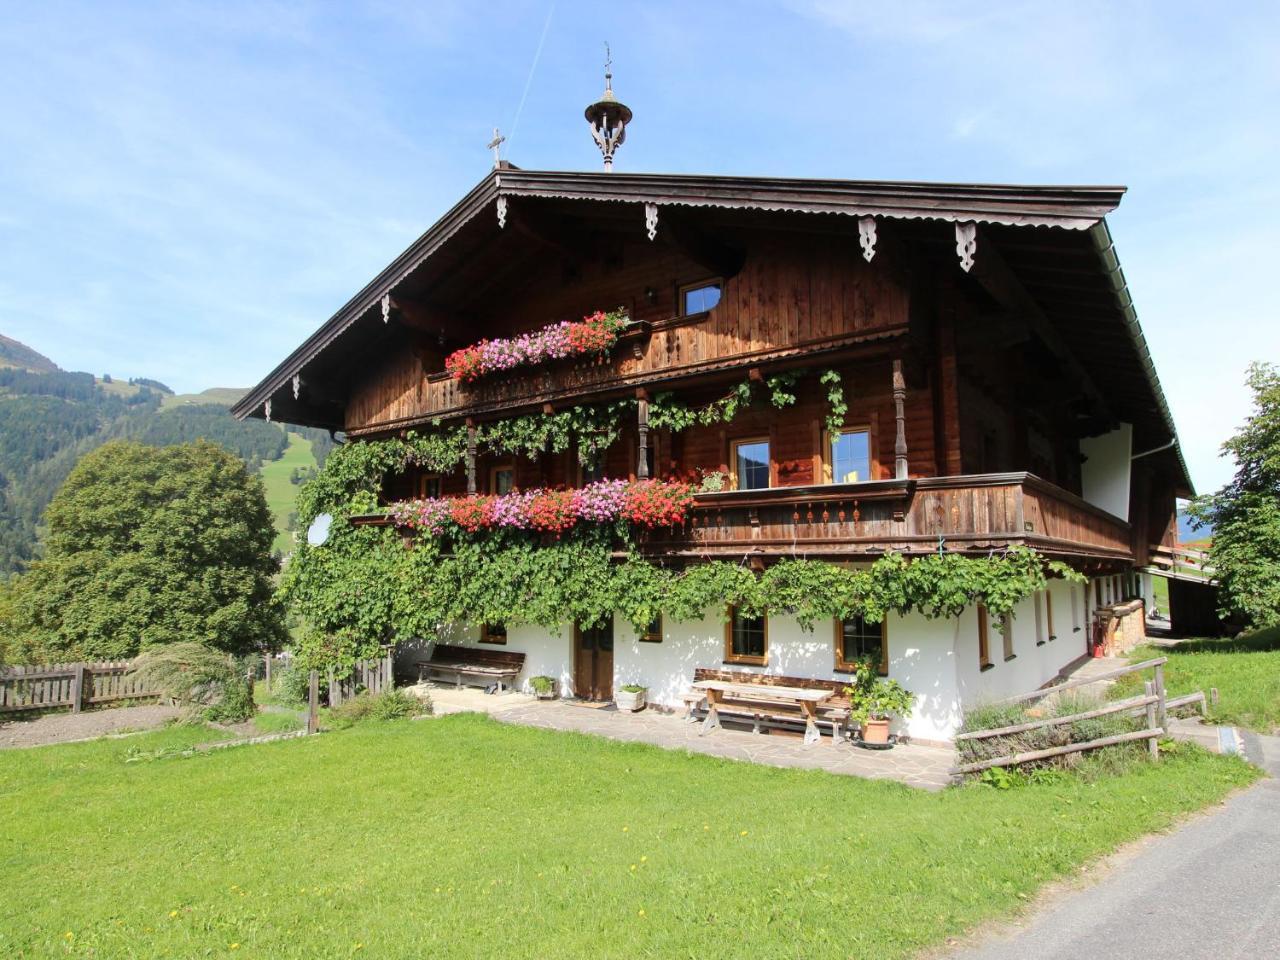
(313, 702)
(334, 695)
(1162, 717)
(1153, 745)
(267, 669)
(77, 688)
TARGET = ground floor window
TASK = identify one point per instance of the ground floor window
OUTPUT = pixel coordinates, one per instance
(502, 480)
(1006, 634)
(746, 639)
(653, 632)
(493, 633)
(858, 637)
(984, 640)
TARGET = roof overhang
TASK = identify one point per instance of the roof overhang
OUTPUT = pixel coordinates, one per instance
(1072, 208)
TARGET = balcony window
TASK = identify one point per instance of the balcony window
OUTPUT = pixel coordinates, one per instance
(429, 487)
(849, 456)
(746, 639)
(502, 480)
(699, 297)
(858, 637)
(751, 464)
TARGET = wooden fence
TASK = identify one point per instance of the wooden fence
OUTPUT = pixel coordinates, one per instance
(74, 685)
(373, 676)
(1152, 704)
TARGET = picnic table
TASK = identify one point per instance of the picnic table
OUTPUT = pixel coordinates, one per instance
(725, 695)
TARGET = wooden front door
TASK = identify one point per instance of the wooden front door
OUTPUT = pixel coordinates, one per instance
(593, 662)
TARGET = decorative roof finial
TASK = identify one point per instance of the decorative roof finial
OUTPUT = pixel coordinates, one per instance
(496, 145)
(608, 117)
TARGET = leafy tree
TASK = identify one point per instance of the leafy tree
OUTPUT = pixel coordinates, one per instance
(147, 547)
(1245, 514)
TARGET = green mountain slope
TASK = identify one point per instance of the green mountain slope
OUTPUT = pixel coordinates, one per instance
(50, 418)
(19, 355)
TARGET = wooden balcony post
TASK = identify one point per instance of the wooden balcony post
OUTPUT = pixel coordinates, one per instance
(471, 457)
(642, 426)
(900, 431)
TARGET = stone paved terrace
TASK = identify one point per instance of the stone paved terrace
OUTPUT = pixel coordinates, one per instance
(916, 765)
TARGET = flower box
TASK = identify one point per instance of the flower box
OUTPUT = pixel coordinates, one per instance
(592, 336)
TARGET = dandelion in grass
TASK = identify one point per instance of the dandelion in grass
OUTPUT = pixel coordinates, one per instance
(644, 859)
(642, 912)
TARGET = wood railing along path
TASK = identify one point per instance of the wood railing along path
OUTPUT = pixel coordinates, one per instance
(1153, 703)
(74, 685)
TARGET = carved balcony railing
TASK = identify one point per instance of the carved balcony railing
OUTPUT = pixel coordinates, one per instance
(959, 514)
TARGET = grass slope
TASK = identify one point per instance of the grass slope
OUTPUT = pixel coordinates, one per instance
(1246, 671)
(281, 494)
(223, 395)
(464, 837)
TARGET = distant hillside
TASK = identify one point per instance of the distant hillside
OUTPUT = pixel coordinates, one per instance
(50, 418)
(224, 396)
(15, 354)
(1188, 533)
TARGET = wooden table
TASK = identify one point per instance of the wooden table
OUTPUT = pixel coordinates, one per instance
(806, 699)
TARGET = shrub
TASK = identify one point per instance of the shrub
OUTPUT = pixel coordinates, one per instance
(542, 684)
(204, 681)
(633, 688)
(293, 683)
(391, 705)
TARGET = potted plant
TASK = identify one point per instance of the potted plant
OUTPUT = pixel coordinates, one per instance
(630, 697)
(874, 701)
(544, 688)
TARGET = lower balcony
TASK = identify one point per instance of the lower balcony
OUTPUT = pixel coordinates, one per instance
(973, 514)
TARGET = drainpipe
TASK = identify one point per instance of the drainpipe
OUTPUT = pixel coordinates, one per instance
(1147, 453)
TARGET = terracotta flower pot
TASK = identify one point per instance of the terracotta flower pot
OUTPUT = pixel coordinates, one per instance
(875, 731)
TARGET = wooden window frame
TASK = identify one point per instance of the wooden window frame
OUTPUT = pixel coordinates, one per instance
(1006, 638)
(733, 459)
(422, 485)
(1048, 615)
(489, 635)
(745, 659)
(649, 635)
(493, 476)
(984, 640)
(683, 288)
(846, 666)
(1040, 634)
(873, 461)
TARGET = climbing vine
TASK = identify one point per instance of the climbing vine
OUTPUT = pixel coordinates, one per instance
(365, 587)
(837, 407)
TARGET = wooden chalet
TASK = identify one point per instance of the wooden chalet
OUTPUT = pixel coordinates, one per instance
(999, 392)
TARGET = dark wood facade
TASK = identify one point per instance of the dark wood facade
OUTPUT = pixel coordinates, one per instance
(996, 391)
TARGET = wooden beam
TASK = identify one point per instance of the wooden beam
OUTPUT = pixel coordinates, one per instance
(900, 431)
(995, 275)
(431, 319)
(677, 230)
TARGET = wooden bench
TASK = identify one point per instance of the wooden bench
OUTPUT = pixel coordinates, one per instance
(762, 711)
(471, 664)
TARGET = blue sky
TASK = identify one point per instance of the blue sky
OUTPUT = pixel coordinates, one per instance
(188, 189)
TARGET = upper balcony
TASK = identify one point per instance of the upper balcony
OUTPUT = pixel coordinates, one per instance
(960, 514)
(789, 300)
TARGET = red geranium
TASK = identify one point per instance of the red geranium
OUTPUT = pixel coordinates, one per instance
(652, 503)
(472, 513)
(552, 511)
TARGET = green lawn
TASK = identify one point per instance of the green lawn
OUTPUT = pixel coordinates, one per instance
(463, 837)
(281, 494)
(1246, 672)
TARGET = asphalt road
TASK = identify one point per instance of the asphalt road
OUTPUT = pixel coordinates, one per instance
(1210, 890)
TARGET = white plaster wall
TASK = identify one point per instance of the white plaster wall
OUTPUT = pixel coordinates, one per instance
(1104, 475)
(935, 659)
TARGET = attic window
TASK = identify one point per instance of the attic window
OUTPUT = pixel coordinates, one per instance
(699, 297)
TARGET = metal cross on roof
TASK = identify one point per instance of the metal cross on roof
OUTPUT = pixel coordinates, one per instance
(495, 145)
